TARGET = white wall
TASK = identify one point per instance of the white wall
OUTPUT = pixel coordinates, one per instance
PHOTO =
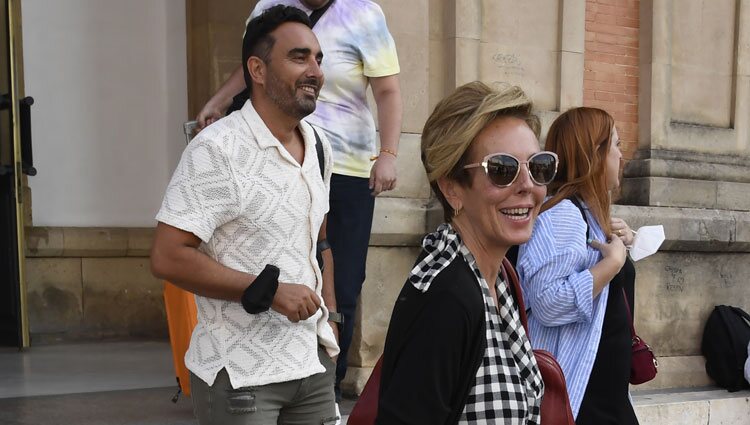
(109, 78)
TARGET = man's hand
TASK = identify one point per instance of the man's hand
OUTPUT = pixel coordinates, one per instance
(296, 302)
(383, 174)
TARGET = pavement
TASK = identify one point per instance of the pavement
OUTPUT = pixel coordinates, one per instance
(133, 383)
(103, 383)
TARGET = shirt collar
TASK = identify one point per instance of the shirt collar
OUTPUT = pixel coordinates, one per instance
(265, 139)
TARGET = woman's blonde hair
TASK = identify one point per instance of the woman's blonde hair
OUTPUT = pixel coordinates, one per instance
(457, 120)
(581, 138)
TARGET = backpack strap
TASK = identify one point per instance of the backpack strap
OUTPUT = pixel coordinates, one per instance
(319, 150)
(323, 244)
(318, 13)
(742, 313)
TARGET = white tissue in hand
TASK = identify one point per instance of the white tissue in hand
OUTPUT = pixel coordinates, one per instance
(647, 241)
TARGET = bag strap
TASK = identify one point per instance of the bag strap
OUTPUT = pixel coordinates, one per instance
(630, 318)
(319, 151)
(318, 13)
(511, 277)
(577, 203)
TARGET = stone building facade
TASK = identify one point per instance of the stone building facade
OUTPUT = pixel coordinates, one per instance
(674, 74)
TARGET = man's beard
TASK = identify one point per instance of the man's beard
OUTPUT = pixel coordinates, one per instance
(297, 106)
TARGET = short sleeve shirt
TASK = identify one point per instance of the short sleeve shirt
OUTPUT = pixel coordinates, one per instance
(251, 204)
(356, 45)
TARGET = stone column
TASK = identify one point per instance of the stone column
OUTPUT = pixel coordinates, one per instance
(214, 32)
(538, 46)
(694, 107)
(399, 218)
(463, 25)
(691, 174)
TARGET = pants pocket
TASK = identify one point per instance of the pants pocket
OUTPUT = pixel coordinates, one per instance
(326, 361)
(241, 401)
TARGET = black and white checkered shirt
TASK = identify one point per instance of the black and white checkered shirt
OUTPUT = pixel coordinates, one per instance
(508, 386)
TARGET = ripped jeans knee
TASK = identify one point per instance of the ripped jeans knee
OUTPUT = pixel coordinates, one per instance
(241, 401)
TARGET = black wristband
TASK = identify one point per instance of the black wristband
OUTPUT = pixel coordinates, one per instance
(258, 296)
(323, 245)
(319, 248)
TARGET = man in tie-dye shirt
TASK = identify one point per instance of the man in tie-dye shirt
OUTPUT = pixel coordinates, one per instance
(358, 51)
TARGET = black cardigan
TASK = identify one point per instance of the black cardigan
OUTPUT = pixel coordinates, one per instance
(435, 344)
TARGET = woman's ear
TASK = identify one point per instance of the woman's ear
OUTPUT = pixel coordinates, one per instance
(452, 192)
(257, 70)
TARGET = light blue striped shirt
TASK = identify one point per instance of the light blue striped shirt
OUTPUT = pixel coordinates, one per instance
(557, 286)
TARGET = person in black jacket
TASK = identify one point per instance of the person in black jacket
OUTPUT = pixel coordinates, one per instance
(456, 351)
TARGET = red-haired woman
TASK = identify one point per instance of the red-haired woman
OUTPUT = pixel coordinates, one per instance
(574, 270)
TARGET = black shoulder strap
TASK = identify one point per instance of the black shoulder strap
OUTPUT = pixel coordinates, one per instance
(317, 13)
(740, 312)
(322, 244)
(577, 203)
(319, 150)
(512, 254)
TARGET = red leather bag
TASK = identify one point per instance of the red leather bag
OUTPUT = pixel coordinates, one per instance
(643, 363)
(366, 409)
(555, 403)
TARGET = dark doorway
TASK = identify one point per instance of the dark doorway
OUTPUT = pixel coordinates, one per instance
(15, 142)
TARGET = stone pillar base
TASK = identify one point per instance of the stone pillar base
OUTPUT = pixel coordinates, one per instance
(687, 179)
(355, 380)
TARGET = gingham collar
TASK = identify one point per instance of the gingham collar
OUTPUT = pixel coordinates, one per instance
(441, 246)
(508, 385)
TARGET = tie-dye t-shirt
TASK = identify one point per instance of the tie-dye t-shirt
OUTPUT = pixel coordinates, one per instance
(356, 45)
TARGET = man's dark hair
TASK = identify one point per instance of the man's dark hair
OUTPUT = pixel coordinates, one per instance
(258, 40)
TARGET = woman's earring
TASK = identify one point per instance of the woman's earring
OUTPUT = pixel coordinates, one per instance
(456, 212)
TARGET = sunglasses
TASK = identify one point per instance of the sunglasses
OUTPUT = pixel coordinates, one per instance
(503, 169)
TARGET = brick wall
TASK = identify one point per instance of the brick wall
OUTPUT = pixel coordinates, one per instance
(611, 65)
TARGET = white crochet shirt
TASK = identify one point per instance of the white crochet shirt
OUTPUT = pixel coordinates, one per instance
(239, 190)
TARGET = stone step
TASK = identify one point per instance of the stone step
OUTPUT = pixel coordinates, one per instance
(692, 406)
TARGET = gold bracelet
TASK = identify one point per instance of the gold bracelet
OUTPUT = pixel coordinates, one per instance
(395, 155)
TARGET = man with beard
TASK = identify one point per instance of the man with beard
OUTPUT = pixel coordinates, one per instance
(238, 227)
(360, 53)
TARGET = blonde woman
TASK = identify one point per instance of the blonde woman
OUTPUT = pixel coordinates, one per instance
(456, 351)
